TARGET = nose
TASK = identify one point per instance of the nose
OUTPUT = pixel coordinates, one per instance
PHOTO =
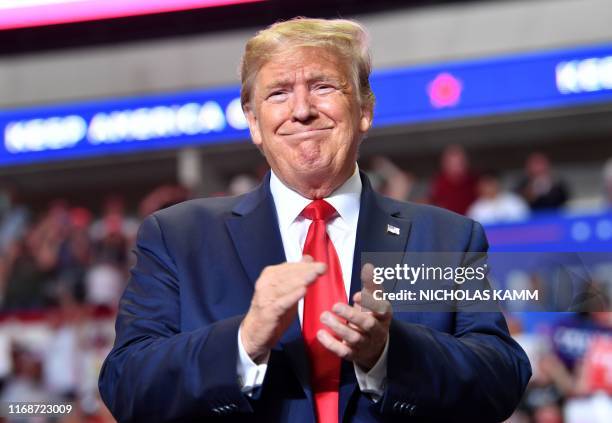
(303, 108)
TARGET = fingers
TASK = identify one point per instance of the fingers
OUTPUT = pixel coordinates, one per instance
(364, 322)
(312, 269)
(348, 334)
(360, 340)
(308, 266)
(366, 302)
(289, 276)
(280, 287)
(274, 304)
(297, 276)
(291, 298)
(337, 347)
(291, 283)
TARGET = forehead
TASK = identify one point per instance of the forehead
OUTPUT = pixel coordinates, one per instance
(306, 62)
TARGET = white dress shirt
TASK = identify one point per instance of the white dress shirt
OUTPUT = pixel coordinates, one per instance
(342, 230)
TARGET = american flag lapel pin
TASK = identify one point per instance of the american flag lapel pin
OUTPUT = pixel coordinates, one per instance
(393, 230)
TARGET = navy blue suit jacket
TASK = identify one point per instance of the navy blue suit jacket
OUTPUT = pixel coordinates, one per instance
(175, 352)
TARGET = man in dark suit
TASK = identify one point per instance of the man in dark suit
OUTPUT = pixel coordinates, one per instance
(251, 308)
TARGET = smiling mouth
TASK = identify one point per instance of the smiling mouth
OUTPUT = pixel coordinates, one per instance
(305, 133)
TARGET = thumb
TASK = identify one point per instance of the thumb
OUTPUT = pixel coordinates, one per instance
(367, 278)
(366, 298)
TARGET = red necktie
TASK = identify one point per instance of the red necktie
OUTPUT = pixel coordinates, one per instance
(321, 295)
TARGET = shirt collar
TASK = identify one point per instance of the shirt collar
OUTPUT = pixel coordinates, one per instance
(289, 204)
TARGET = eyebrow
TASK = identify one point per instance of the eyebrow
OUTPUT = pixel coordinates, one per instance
(278, 83)
(315, 77)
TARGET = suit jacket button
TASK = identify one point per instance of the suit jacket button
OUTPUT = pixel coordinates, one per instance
(397, 407)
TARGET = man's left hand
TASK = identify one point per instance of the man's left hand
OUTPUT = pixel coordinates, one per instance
(361, 332)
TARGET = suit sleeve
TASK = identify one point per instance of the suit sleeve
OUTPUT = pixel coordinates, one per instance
(478, 373)
(155, 372)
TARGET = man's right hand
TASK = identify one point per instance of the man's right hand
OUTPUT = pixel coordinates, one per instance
(274, 305)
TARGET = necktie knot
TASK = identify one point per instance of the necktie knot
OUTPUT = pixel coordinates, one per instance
(319, 210)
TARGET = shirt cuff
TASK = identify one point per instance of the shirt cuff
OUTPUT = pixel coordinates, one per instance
(250, 375)
(373, 382)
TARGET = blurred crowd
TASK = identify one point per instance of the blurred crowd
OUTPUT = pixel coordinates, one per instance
(484, 194)
(63, 270)
(571, 360)
(61, 275)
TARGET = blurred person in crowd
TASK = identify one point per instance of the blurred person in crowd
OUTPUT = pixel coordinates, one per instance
(104, 283)
(112, 236)
(7, 260)
(26, 280)
(591, 409)
(6, 361)
(594, 369)
(539, 186)
(49, 234)
(75, 255)
(114, 232)
(50, 263)
(102, 414)
(26, 383)
(252, 308)
(494, 205)
(550, 413)
(572, 337)
(550, 384)
(162, 197)
(61, 366)
(390, 180)
(113, 244)
(607, 181)
(454, 187)
(13, 219)
(577, 367)
(241, 184)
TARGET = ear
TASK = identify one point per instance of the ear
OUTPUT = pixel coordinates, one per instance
(249, 113)
(365, 120)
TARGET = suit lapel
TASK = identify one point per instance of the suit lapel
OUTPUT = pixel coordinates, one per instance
(373, 235)
(253, 228)
(377, 216)
(256, 237)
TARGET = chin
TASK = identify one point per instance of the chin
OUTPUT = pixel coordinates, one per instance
(319, 174)
(311, 163)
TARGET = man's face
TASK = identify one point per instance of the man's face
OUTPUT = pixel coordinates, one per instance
(305, 115)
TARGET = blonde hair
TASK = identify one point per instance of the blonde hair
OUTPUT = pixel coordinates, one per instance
(346, 38)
